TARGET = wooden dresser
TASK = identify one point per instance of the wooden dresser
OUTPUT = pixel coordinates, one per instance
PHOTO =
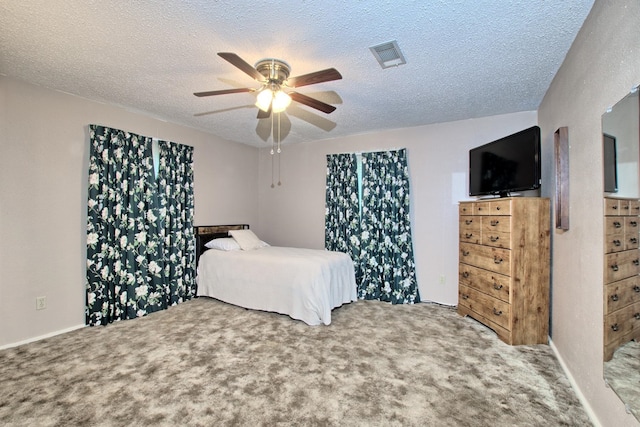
(621, 269)
(504, 267)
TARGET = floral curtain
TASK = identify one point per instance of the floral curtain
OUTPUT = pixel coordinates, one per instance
(386, 247)
(342, 218)
(374, 227)
(175, 182)
(129, 271)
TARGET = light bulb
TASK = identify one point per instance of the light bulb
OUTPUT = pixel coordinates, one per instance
(281, 101)
(264, 99)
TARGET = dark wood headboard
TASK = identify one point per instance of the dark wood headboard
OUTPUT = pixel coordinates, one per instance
(206, 233)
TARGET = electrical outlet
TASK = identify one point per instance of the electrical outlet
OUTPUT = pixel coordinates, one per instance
(443, 279)
(41, 303)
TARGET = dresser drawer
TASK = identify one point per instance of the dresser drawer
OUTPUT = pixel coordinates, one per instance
(486, 257)
(488, 282)
(620, 265)
(486, 306)
(624, 207)
(612, 207)
(501, 207)
(465, 208)
(496, 231)
(622, 322)
(621, 294)
(482, 208)
(631, 232)
(470, 229)
(614, 240)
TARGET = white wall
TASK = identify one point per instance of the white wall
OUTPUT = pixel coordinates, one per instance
(293, 214)
(601, 67)
(43, 195)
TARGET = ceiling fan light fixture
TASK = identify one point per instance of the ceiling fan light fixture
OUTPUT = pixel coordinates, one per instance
(264, 98)
(280, 101)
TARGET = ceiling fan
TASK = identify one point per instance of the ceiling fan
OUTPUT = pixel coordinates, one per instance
(273, 74)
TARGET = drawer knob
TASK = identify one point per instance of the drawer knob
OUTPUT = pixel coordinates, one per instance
(634, 223)
(636, 261)
(617, 243)
(615, 327)
(465, 253)
(637, 316)
(497, 260)
(468, 221)
(496, 312)
(614, 267)
(466, 275)
(636, 288)
(468, 235)
(464, 296)
(494, 238)
(615, 208)
(495, 222)
(616, 224)
(633, 240)
(496, 286)
(497, 208)
(615, 297)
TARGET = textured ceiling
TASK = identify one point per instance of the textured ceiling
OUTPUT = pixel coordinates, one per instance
(465, 58)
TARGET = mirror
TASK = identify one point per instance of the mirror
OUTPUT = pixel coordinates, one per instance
(621, 145)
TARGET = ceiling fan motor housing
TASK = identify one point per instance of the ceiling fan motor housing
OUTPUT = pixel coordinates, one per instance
(274, 70)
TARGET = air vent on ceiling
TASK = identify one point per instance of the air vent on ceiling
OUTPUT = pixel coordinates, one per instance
(388, 54)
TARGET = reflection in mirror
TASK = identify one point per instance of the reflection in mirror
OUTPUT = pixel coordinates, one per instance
(621, 144)
(620, 128)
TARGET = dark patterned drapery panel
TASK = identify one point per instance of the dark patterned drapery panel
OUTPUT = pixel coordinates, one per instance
(370, 221)
(132, 267)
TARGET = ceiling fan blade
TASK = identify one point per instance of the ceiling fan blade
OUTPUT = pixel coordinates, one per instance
(224, 110)
(280, 130)
(263, 129)
(311, 117)
(241, 64)
(311, 102)
(264, 114)
(312, 78)
(223, 92)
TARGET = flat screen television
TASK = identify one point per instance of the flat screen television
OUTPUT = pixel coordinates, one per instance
(506, 165)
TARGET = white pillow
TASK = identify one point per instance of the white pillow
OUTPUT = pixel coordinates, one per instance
(247, 239)
(224, 244)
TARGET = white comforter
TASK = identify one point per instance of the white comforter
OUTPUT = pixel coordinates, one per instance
(305, 284)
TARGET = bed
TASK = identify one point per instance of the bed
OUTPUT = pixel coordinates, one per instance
(236, 267)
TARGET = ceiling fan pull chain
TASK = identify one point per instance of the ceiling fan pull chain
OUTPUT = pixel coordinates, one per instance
(279, 182)
(278, 133)
(273, 143)
(272, 160)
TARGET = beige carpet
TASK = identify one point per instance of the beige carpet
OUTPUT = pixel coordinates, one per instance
(206, 363)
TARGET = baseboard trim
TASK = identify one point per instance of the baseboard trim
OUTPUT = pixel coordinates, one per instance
(574, 385)
(41, 337)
